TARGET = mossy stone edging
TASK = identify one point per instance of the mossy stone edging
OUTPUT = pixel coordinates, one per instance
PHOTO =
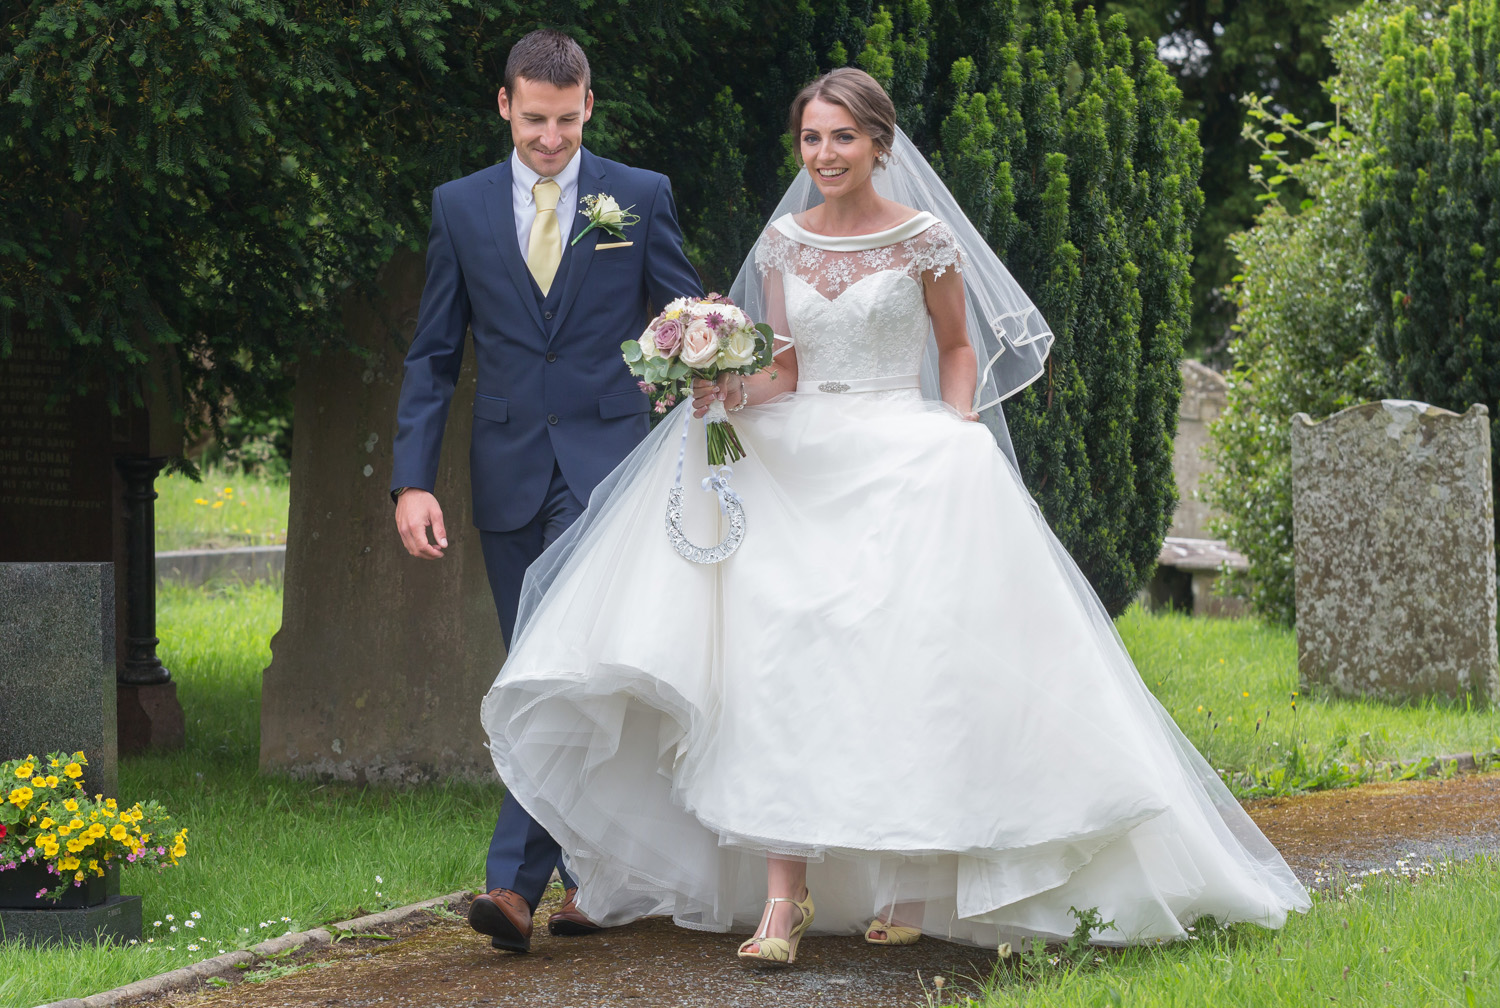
(225, 964)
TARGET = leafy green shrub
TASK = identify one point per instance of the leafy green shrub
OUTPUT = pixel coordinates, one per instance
(1305, 324)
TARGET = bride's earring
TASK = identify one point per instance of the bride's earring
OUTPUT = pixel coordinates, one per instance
(884, 158)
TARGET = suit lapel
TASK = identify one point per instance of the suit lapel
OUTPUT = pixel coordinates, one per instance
(500, 208)
(591, 181)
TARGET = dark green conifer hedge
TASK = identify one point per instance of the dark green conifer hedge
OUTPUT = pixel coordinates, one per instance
(1431, 210)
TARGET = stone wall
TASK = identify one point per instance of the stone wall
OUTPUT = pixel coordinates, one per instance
(1395, 551)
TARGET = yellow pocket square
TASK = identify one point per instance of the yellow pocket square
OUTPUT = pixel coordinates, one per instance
(609, 245)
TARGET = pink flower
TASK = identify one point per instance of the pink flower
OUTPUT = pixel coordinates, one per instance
(669, 337)
(645, 386)
(715, 320)
(660, 407)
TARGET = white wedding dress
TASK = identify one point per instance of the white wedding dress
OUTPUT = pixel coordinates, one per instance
(900, 675)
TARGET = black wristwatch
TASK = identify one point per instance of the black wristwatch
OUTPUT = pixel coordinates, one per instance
(398, 492)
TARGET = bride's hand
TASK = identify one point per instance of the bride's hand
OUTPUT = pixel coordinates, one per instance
(705, 392)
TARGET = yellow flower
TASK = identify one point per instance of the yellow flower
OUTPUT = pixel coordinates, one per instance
(229, 490)
(180, 850)
(119, 832)
(72, 806)
(199, 500)
(68, 863)
(73, 770)
(38, 782)
(20, 797)
(77, 844)
(46, 840)
(75, 823)
(52, 780)
(57, 763)
(47, 822)
(78, 876)
(1243, 693)
(96, 830)
(25, 770)
(110, 804)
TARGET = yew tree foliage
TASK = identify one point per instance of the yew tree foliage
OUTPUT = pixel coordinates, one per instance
(1431, 209)
(1064, 142)
(194, 183)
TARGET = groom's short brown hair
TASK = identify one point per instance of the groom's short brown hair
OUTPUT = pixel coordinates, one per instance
(547, 55)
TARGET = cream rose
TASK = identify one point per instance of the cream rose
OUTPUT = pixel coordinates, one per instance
(739, 349)
(700, 345)
(607, 211)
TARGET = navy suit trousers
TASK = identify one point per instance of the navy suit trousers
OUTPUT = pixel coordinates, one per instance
(522, 854)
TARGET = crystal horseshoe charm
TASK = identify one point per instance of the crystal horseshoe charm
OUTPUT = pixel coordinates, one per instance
(687, 549)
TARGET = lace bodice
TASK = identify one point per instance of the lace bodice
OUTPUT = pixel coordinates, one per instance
(855, 306)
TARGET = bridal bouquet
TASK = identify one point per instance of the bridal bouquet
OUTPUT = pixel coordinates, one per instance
(702, 338)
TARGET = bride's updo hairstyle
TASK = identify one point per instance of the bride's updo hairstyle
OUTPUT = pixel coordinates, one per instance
(861, 95)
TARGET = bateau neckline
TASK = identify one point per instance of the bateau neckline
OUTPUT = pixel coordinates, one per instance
(909, 228)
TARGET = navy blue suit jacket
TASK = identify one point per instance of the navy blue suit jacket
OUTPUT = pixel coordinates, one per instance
(552, 385)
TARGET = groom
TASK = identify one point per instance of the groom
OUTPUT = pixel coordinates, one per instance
(511, 257)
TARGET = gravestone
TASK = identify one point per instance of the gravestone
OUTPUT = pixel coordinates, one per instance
(1204, 396)
(1394, 542)
(382, 659)
(57, 680)
(75, 487)
(1189, 564)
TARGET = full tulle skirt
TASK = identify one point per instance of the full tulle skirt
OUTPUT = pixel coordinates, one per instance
(900, 676)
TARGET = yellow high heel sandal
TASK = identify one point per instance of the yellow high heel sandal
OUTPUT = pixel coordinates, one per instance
(778, 951)
(895, 934)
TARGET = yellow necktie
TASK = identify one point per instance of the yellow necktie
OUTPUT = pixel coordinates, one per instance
(544, 250)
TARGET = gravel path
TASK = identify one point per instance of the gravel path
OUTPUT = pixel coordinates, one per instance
(1377, 827)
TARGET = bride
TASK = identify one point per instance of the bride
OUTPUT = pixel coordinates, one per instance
(899, 692)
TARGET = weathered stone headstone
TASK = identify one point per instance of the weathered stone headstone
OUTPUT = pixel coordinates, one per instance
(73, 484)
(1188, 566)
(1204, 396)
(57, 681)
(382, 659)
(1394, 529)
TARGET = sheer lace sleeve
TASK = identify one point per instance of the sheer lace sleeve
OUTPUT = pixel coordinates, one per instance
(775, 252)
(935, 251)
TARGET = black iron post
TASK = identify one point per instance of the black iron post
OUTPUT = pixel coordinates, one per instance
(142, 667)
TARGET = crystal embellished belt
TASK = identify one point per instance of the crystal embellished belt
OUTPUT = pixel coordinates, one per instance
(883, 384)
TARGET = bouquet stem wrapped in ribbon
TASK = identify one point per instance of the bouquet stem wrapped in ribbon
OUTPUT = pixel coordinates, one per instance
(702, 338)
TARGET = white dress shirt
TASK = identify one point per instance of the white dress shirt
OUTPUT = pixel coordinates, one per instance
(523, 178)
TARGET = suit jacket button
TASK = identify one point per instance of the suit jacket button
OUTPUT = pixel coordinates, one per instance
(551, 357)
(552, 418)
(546, 315)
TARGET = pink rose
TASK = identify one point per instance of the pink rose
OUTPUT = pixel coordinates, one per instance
(669, 337)
(700, 345)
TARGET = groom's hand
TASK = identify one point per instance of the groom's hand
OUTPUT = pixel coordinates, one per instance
(416, 511)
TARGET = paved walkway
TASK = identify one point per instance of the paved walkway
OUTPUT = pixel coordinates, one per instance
(651, 963)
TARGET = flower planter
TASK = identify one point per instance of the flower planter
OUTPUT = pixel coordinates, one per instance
(19, 886)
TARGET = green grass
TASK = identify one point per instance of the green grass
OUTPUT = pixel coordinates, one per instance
(225, 509)
(1231, 685)
(1393, 943)
(293, 854)
(259, 849)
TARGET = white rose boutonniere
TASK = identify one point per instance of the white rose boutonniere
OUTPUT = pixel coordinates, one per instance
(604, 213)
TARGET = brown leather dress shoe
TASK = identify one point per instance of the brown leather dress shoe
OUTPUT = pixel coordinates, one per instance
(569, 921)
(505, 917)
